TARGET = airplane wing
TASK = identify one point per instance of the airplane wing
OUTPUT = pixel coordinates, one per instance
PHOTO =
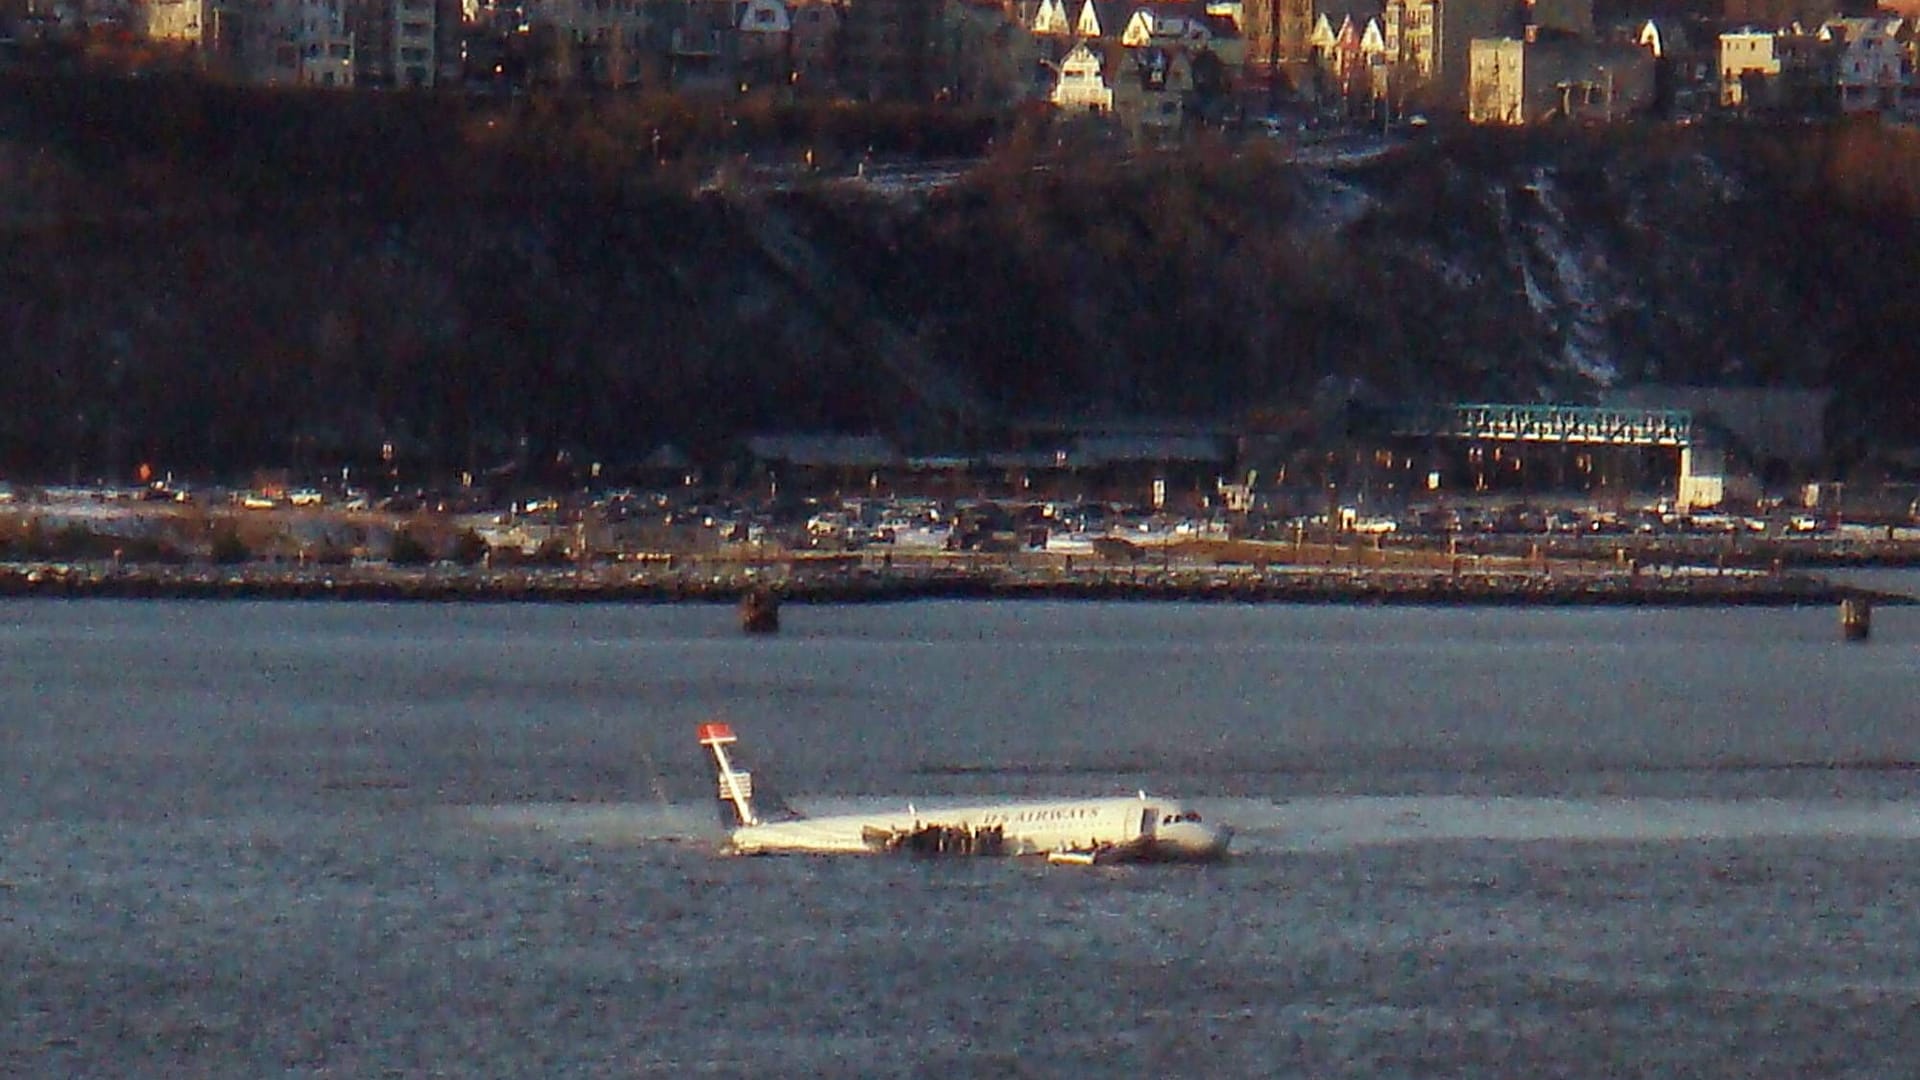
(1103, 855)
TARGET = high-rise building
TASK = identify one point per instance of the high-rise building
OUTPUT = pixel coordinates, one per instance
(411, 44)
(1276, 32)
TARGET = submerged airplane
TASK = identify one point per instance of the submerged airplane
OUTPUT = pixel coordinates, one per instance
(1079, 831)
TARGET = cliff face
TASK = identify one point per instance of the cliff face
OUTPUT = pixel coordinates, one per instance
(207, 290)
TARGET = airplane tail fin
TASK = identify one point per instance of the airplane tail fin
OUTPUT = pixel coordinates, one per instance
(735, 785)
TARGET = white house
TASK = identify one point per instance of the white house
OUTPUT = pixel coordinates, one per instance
(1166, 26)
(1082, 86)
(1050, 20)
(1098, 18)
(1745, 53)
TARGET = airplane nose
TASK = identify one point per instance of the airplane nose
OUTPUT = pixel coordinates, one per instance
(1192, 840)
(1216, 840)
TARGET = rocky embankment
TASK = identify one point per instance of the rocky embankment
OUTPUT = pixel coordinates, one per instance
(696, 581)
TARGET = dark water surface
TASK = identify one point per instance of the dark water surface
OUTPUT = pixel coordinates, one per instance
(263, 839)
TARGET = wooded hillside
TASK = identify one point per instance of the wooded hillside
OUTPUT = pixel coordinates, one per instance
(211, 280)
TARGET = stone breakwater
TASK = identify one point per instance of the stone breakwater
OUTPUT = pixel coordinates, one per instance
(842, 585)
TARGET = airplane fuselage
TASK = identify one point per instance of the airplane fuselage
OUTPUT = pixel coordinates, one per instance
(1139, 828)
(1078, 830)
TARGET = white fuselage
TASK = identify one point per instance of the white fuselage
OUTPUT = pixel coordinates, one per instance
(1065, 830)
(1141, 828)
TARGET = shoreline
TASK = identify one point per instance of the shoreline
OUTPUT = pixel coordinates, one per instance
(841, 584)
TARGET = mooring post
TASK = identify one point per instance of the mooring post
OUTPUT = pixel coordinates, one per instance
(760, 611)
(1856, 618)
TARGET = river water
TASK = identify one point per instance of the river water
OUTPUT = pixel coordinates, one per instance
(361, 840)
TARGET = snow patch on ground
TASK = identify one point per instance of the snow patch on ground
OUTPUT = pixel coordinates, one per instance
(1345, 151)
(1569, 289)
(1334, 204)
(909, 180)
(1539, 301)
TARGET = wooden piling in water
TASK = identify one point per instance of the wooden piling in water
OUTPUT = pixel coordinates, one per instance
(1856, 618)
(760, 612)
